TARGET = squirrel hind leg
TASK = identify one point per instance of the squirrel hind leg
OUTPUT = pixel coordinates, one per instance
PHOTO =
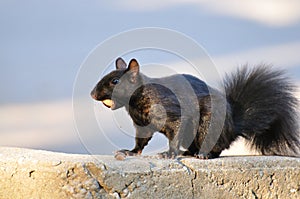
(192, 150)
(215, 152)
(208, 155)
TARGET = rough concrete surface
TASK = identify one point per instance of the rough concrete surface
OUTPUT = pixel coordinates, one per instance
(29, 173)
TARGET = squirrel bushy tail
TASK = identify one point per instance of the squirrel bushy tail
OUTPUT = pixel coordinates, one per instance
(263, 109)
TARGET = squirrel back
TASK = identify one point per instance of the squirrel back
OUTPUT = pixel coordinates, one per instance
(259, 106)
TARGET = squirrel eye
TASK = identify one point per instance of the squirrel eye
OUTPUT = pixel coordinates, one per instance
(115, 81)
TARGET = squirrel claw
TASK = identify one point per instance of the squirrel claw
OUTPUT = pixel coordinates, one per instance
(205, 156)
(166, 155)
(121, 154)
(202, 156)
(127, 152)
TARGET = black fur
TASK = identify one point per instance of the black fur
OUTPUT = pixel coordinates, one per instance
(264, 109)
(259, 105)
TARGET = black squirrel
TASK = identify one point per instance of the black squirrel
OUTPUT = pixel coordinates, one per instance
(259, 106)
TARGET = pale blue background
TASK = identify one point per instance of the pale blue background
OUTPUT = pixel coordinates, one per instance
(43, 43)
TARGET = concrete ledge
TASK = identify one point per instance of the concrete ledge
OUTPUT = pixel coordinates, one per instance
(40, 174)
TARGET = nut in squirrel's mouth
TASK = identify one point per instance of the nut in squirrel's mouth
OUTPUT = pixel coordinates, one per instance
(109, 103)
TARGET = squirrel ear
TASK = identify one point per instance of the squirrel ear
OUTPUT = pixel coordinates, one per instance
(134, 69)
(120, 63)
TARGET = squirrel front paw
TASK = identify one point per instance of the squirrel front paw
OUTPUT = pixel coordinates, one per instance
(121, 154)
(128, 152)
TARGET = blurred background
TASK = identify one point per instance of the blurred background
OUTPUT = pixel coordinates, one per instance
(44, 43)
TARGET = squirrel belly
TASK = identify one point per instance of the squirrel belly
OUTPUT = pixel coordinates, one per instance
(259, 105)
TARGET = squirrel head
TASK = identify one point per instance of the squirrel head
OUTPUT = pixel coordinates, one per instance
(115, 89)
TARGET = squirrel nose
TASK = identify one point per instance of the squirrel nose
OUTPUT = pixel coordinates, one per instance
(93, 94)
